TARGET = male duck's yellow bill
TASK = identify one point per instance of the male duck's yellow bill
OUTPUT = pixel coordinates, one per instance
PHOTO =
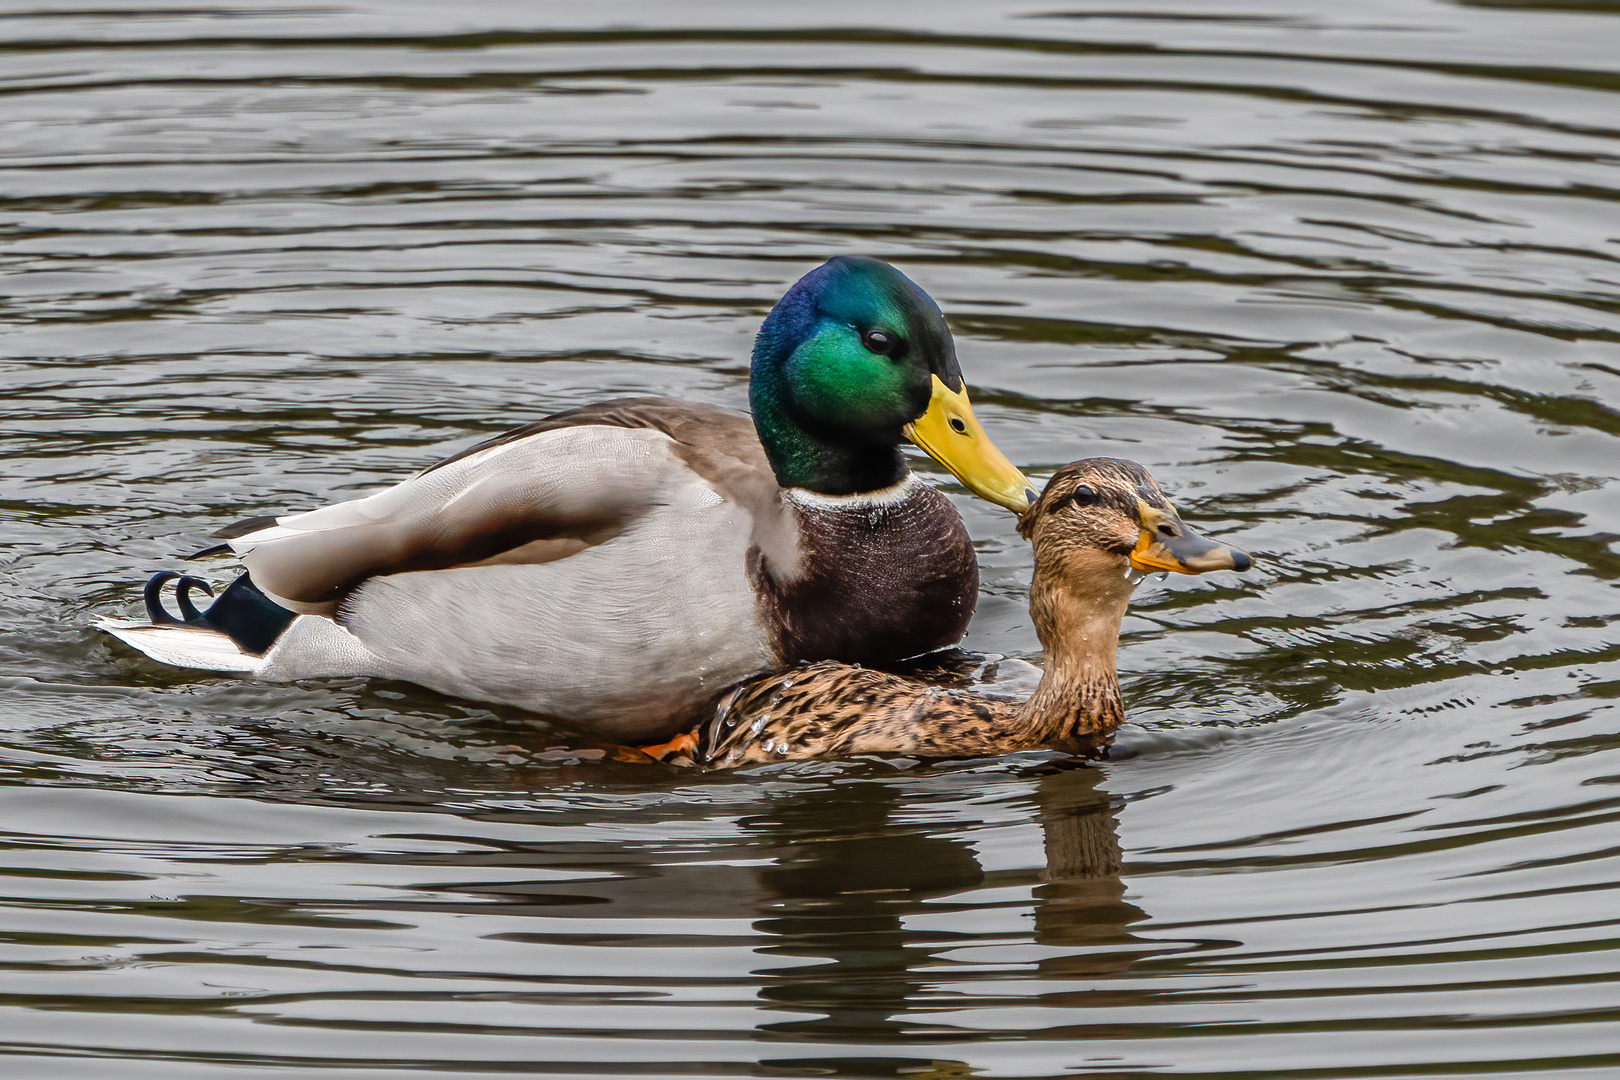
(951, 435)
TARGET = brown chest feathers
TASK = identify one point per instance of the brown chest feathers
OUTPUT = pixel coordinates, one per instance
(874, 582)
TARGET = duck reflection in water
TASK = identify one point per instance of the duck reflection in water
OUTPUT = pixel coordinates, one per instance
(855, 888)
(862, 879)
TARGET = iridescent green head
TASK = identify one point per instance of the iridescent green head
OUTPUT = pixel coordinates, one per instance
(852, 356)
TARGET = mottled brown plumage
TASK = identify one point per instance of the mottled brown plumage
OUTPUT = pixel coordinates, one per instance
(1100, 525)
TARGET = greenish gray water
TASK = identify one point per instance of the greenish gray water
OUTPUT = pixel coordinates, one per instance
(1344, 276)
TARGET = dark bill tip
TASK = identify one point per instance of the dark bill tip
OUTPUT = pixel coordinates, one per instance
(1190, 553)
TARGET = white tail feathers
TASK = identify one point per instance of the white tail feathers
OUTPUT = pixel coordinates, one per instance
(182, 646)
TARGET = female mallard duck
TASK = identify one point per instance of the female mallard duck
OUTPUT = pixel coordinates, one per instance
(1099, 526)
(618, 566)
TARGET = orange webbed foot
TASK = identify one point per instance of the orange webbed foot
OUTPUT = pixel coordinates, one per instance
(682, 745)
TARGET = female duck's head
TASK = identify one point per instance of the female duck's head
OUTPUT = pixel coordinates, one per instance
(1100, 526)
(851, 362)
(1103, 514)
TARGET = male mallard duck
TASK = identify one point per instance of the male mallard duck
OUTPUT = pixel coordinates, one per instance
(618, 566)
(1099, 526)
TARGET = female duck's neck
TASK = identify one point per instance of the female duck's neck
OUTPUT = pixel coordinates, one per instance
(1078, 696)
(818, 461)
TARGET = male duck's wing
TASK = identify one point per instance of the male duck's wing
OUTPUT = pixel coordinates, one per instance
(532, 495)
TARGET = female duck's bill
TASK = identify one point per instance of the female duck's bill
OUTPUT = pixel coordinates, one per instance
(1168, 544)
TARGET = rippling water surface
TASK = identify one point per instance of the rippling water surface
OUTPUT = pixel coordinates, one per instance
(1345, 276)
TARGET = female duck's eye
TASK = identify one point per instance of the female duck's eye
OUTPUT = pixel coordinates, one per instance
(1080, 496)
(880, 341)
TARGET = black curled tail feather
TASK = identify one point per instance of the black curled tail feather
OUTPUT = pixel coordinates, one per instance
(242, 612)
(182, 596)
(183, 584)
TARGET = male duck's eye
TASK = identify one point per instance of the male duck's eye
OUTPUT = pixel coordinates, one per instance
(881, 342)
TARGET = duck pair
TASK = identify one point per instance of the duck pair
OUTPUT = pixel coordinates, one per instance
(622, 567)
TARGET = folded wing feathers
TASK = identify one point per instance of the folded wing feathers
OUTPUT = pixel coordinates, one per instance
(561, 481)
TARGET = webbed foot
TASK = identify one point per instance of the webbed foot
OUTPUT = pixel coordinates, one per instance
(681, 746)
